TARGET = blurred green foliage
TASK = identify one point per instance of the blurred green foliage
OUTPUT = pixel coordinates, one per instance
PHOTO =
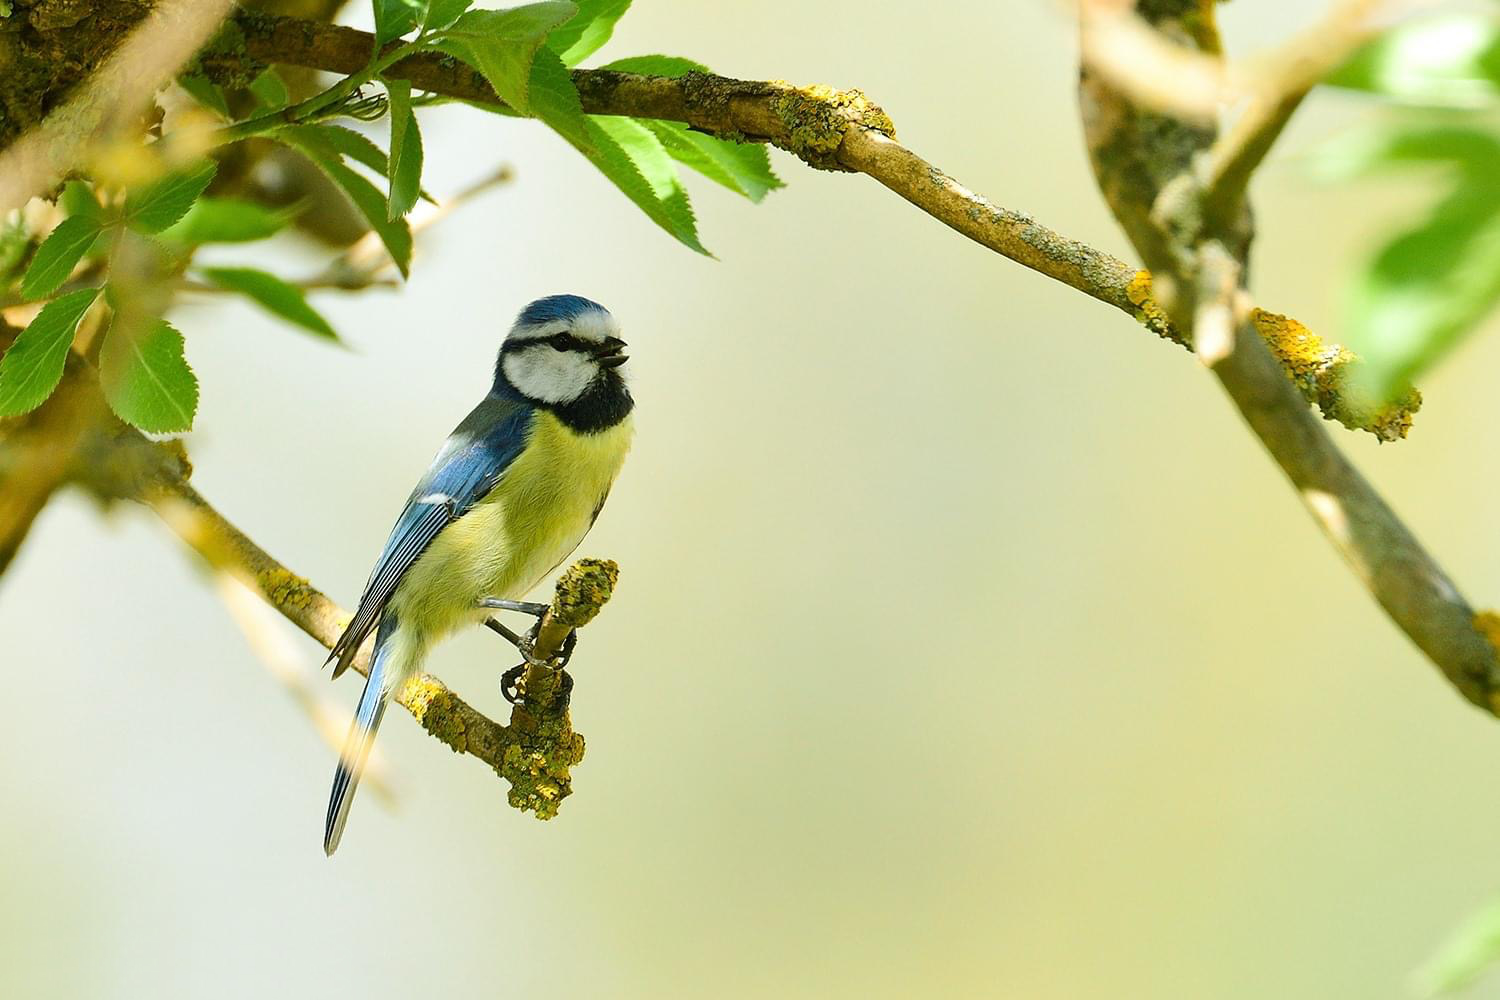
(1437, 277)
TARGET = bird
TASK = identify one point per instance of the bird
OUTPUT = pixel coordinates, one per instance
(509, 496)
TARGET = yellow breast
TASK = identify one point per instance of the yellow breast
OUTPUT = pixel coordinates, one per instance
(520, 532)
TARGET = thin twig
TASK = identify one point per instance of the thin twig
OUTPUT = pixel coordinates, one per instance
(1285, 77)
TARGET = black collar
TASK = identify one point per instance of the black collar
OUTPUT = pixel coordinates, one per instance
(603, 405)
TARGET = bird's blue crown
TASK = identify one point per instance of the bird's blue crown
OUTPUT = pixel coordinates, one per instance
(557, 307)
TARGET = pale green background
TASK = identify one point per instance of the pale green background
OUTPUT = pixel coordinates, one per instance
(966, 643)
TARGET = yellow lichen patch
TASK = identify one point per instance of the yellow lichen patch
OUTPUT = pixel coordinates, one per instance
(817, 117)
(583, 590)
(1487, 624)
(432, 705)
(1322, 373)
(285, 589)
(538, 772)
(1147, 311)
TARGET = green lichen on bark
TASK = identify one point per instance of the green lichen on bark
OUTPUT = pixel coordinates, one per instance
(817, 118)
(224, 60)
(438, 712)
(538, 763)
(583, 590)
(47, 47)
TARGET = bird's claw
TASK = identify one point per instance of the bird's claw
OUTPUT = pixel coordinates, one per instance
(510, 680)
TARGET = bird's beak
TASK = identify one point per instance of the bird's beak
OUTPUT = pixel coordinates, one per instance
(611, 353)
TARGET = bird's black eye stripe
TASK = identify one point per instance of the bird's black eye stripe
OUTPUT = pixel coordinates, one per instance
(562, 341)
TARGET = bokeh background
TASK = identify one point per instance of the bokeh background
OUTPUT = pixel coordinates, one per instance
(966, 643)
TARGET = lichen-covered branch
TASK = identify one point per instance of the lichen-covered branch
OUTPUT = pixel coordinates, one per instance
(534, 753)
(1203, 254)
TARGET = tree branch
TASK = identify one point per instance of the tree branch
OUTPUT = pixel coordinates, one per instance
(1204, 254)
(828, 129)
(534, 753)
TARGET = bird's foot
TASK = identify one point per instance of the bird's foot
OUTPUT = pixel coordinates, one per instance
(510, 680)
(558, 660)
(510, 686)
(510, 635)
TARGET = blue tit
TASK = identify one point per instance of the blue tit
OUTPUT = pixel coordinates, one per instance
(509, 496)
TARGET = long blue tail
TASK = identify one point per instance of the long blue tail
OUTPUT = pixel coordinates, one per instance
(361, 734)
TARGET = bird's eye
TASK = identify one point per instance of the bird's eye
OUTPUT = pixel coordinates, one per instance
(560, 341)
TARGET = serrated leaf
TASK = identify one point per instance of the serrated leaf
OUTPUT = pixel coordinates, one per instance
(588, 30)
(405, 171)
(205, 92)
(273, 294)
(628, 153)
(34, 364)
(156, 206)
(55, 259)
(744, 168)
(270, 90)
(336, 140)
(441, 13)
(225, 220)
(1446, 61)
(656, 65)
(146, 378)
(643, 171)
(1432, 283)
(502, 44)
(394, 18)
(396, 235)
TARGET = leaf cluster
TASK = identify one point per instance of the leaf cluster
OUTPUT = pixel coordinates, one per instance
(123, 255)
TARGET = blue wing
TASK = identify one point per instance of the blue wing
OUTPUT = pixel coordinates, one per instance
(471, 462)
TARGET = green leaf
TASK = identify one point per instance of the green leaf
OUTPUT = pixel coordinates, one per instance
(34, 364)
(441, 13)
(1446, 61)
(587, 32)
(276, 296)
(405, 171)
(205, 92)
(270, 90)
(623, 150)
(396, 235)
(157, 206)
(77, 198)
(146, 378)
(501, 44)
(1431, 284)
(744, 168)
(225, 220)
(15, 240)
(656, 65)
(394, 18)
(1468, 952)
(336, 141)
(58, 255)
(629, 154)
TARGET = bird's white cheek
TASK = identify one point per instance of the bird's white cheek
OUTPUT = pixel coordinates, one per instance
(548, 375)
